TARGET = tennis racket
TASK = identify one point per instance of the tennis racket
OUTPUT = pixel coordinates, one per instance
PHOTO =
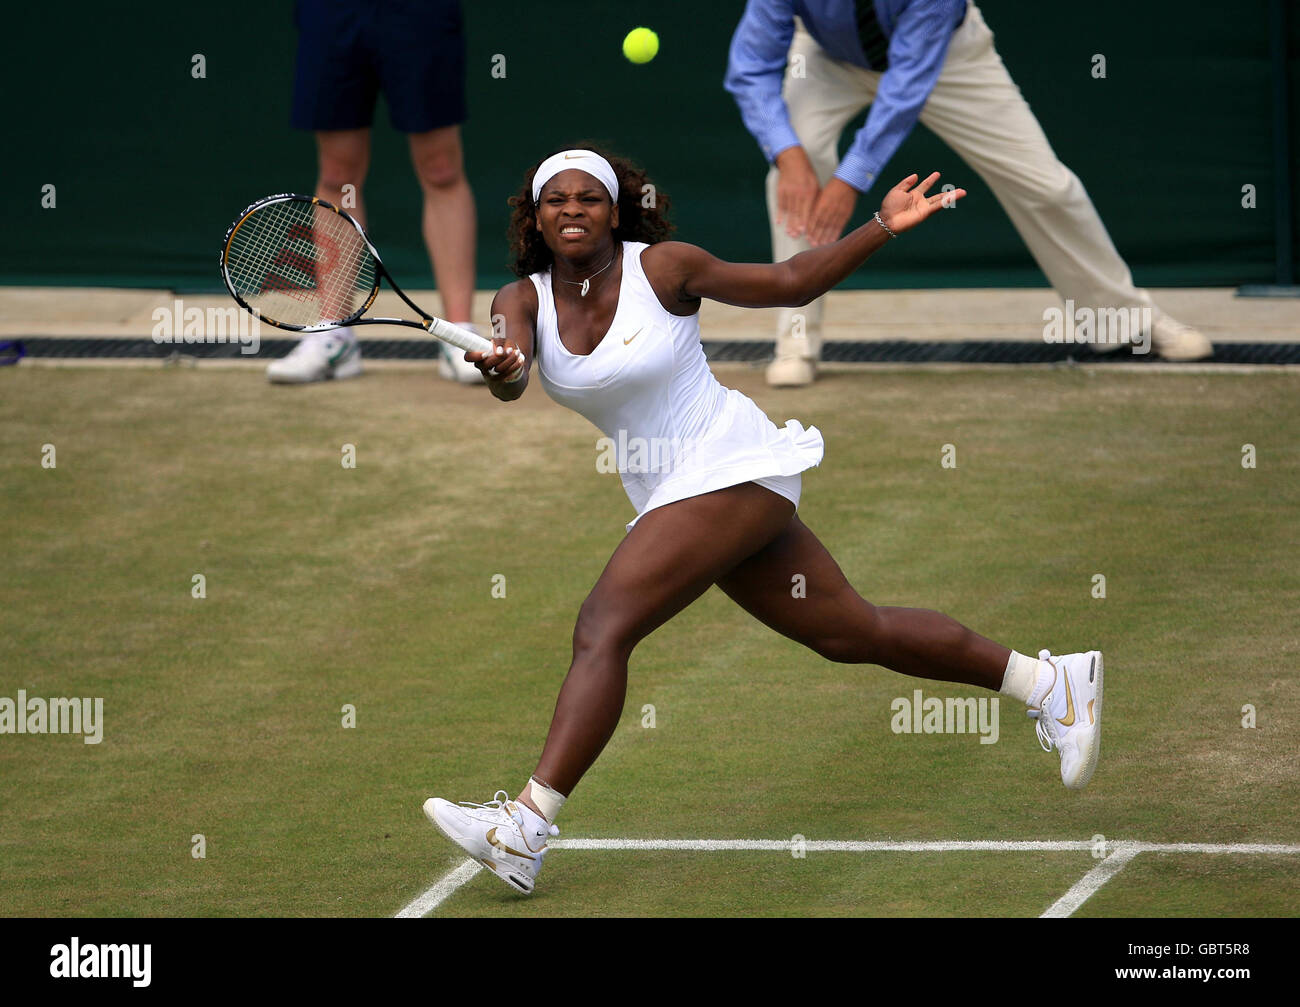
(300, 263)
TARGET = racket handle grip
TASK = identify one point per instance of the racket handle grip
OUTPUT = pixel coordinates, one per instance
(471, 342)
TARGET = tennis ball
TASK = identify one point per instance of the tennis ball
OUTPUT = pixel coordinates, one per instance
(641, 45)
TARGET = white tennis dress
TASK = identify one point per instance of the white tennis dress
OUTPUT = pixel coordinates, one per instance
(673, 429)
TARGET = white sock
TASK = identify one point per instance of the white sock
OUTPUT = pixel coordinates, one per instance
(535, 826)
(1045, 681)
(1023, 679)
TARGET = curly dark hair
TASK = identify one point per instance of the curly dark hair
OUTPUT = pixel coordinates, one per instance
(636, 222)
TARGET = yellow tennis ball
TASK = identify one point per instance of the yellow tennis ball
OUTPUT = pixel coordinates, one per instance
(641, 45)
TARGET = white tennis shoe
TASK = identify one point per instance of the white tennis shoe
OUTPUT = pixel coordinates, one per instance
(1175, 341)
(1169, 338)
(791, 372)
(1069, 718)
(494, 834)
(319, 357)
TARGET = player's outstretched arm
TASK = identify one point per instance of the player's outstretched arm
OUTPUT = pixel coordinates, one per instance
(686, 273)
(514, 328)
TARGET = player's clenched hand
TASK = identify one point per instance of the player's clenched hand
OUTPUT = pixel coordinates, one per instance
(502, 364)
(906, 204)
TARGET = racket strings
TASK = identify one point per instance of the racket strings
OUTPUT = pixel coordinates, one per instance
(299, 263)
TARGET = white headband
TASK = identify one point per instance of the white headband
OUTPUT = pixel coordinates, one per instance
(584, 160)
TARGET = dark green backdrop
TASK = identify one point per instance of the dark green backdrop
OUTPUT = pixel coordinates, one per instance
(151, 165)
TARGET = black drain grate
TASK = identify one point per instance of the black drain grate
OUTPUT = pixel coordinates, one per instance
(753, 351)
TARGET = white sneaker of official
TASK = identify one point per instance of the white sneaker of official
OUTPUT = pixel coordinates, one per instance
(791, 372)
(452, 364)
(320, 356)
(1173, 340)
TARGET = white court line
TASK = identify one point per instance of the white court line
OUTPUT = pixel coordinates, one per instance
(1121, 853)
(1216, 848)
(890, 846)
(1083, 889)
(435, 896)
(819, 845)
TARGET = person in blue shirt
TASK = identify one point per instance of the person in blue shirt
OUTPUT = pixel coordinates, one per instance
(800, 70)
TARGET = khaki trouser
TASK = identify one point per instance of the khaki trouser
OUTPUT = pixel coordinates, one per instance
(977, 110)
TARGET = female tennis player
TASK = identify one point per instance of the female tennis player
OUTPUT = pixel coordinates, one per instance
(609, 309)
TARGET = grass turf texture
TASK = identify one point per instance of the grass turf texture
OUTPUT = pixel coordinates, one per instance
(373, 586)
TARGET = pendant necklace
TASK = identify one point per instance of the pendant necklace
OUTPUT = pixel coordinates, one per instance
(586, 284)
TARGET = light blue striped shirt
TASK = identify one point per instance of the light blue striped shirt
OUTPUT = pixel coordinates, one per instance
(918, 32)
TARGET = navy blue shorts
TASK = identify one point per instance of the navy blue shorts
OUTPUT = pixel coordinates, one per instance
(350, 50)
